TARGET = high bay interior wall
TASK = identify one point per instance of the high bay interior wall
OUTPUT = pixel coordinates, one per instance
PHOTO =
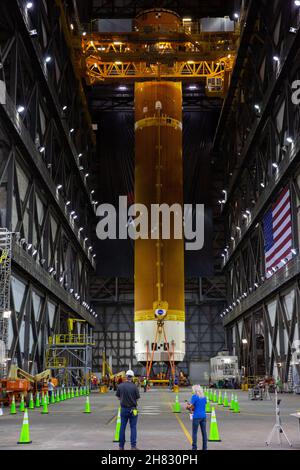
(259, 138)
(40, 180)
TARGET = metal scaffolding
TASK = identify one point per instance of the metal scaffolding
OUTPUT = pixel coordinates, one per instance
(69, 356)
(5, 274)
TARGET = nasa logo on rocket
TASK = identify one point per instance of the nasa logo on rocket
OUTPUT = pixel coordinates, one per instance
(160, 312)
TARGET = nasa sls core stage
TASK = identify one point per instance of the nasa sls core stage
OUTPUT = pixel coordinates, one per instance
(159, 264)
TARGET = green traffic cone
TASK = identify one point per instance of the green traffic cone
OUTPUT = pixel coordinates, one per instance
(176, 405)
(232, 403)
(68, 394)
(25, 434)
(13, 410)
(37, 400)
(236, 405)
(47, 398)
(65, 394)
(72, 393)
(52, 400)
(62, 395)
(207, 407)
(220, 400)
(45, 408)
(80, 392)
(43, 399)
(225, 401)
(31, 403)
(213, 432)
(215, 399)
(57, 397)
(22, 404)
(87, 406)
(118, 426)
(211, 397)
(76, 392)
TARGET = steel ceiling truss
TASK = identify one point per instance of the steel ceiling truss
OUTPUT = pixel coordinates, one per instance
(130, 8)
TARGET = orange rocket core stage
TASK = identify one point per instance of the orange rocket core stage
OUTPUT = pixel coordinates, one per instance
(158, 179)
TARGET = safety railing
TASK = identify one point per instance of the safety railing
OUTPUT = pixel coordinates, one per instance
(71, 339)
(56, 362)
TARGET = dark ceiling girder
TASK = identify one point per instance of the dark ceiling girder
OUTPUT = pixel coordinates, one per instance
(130, 8)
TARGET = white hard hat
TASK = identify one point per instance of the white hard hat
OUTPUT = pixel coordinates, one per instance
(130, 373)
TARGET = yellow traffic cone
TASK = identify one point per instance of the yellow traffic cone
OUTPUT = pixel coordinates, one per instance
(214, 432)
(118, 426)
(232, 403)
(45, 408)
(225, 401)
(22, 404)
(25, 435)
(207, 406)
(176, 406)
(236, 405)
(37, 401)
(13, 410)
(31, 403)
(87, 406)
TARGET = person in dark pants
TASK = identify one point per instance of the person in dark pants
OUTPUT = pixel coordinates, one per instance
(197, 405)
(128, 394)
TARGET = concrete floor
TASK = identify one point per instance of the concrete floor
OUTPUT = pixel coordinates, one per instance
(66, 427)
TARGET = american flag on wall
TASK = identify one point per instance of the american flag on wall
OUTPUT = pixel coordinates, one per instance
(278, 233)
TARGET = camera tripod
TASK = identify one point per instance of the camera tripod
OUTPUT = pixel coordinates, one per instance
(277, 428)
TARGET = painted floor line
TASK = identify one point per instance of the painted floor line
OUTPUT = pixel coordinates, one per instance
(184, 429)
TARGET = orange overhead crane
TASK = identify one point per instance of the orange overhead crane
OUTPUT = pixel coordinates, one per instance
(172, 53)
